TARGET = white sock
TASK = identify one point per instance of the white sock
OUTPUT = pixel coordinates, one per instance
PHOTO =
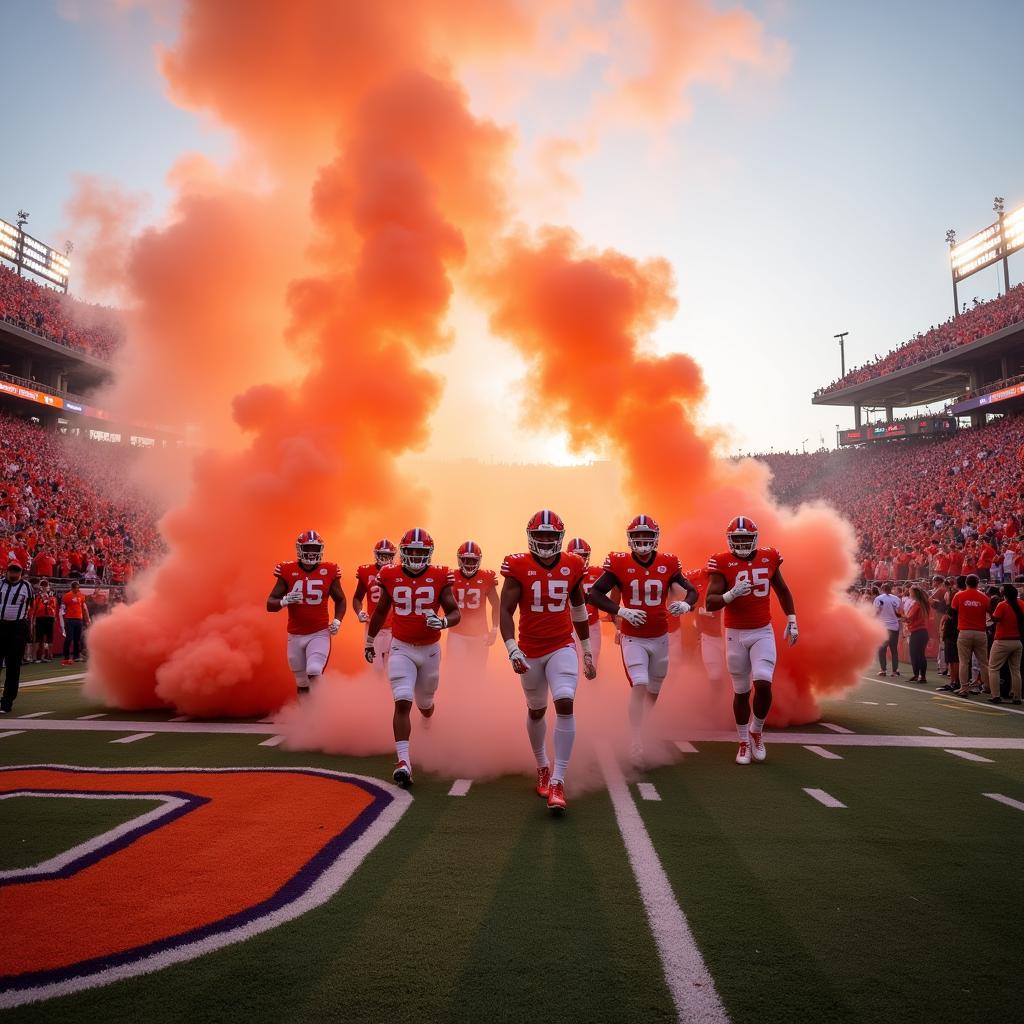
(637, 707)
(744, 731)
(565, 736)
(402, 751)
(756, 724)
(537, 730)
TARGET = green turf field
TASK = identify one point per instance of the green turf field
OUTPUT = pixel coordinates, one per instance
(901, 905)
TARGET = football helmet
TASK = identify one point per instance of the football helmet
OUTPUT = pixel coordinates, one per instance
(469, 556)
(544, 533)
(384, 552)
(415, 550)
(741, 534)
(643, 534)
(309, 549)
(578, 546)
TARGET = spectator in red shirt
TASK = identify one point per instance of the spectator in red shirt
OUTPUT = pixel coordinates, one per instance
(43, 563)
(972, 608)
(917, 622)
(1006, 646)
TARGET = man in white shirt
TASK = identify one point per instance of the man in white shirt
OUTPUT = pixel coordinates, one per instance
(889, 609)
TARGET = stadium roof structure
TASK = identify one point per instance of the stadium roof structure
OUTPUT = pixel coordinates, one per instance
(943, 377)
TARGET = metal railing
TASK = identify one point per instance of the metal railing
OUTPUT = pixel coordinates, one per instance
(24, 325)
(35, 385)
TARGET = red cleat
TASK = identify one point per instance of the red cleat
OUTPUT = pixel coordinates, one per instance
(67, 661)
(543, 781)
(556, 796)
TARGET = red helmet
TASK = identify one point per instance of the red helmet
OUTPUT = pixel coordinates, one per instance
(415, 550)
(741, 534)
(469, 556)
(544, 533)
(384, 552)
(643, 534)
(578, 546)
(309, 549)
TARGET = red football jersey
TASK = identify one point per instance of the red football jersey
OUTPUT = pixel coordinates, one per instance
(709, 623)
(413, 598)
(545, 622)
(471, 597)
(314, 584)
(754, 610)
(591, 575)
(367, 575)
(643, 588)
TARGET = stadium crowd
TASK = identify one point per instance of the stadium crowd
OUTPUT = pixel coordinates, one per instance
(983, 319)
(94, 330)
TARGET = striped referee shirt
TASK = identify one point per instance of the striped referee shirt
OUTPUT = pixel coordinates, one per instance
(15, 599)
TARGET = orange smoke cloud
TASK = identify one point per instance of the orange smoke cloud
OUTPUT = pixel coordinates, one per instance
(579, 318)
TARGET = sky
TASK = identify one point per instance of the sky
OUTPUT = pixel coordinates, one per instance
(793, 202)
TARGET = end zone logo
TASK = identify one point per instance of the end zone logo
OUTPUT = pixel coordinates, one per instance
(226, 853)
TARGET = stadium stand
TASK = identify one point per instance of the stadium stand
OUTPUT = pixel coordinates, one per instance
(983, 319)
(922, 507)
(65, 511)
(94, 330)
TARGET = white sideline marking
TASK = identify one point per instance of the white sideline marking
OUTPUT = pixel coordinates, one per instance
(36, 714)
(460, 787)
(932, 693)
(999, 798)
(686, 747)
(647, 791)
(180, 718)
(89, 718)
(968, 756)
(829, 755)
(686, 974)
(937, 732)
(274, 741)
(891, 704)
(11, 732)
(133, 738)
(836, 728)
(873, 702)
(824, 798)
(55, 679)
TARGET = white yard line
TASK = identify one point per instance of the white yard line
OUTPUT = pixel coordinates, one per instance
(824, 798)
(647, 791)
(968, 756)
(274, 741)
(686, 747)
(829, 755)
(872, 702)
(89, 718)
(689, 982)
(932, 693)
(460, 787)
(132, 739)
(70, 678)
(179, 718)
(37, 714)
(936, 732)
(11, 732)
(999, 798)
(836, 728)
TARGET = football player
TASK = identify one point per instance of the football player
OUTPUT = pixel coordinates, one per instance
(545, 584)
(303, 587)
(741, 581)
(643, 576)
(578, 546)
(384, 552)
(709, 629)
(416, 591)
(474, 589)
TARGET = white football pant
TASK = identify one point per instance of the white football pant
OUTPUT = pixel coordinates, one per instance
(646, 660)
(750, 654)
(557, 673)
(307, 655)
(414, 672)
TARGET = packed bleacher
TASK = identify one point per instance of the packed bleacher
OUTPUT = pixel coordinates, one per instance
(95, 330)
(983, 319)
(65, 509)
(919, 508)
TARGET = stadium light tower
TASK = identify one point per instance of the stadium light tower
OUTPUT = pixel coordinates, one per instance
(22, 221)
(951, 242)
(841, 337)
(997, 209)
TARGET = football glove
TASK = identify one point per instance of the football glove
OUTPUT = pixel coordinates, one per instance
(292, 597)
(589, 669)
(436, 622)
(678, 608)
(633, 616)
(516, 657)
(740, 589)
(791, 633)
(334, 626)
(362, 616)
(369, 653)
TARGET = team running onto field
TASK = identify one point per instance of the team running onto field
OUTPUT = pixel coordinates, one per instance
(557, 596)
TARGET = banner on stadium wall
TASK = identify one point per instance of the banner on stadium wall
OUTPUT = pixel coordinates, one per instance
(1014, 391)
(905, 428)
(53, 401)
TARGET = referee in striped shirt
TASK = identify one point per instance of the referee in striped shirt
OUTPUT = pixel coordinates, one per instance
(15, 601)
